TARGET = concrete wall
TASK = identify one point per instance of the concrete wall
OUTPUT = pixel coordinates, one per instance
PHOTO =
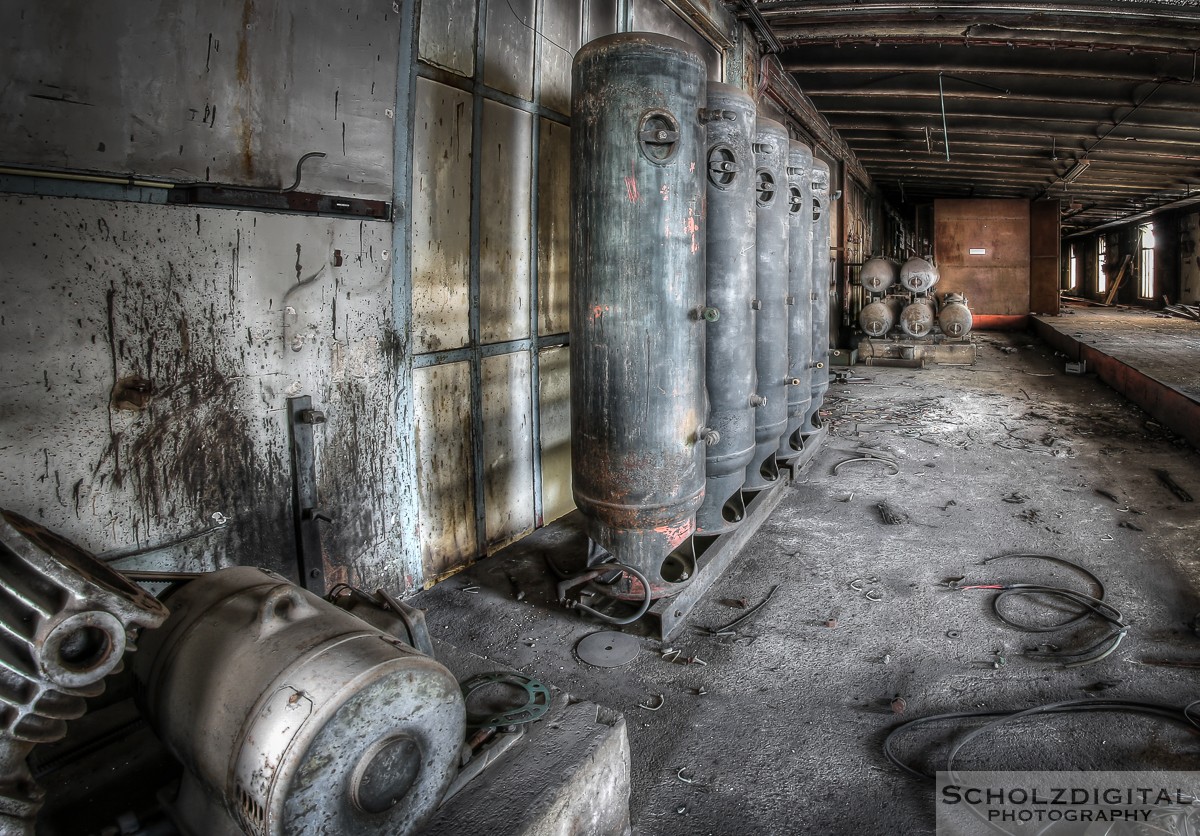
(995, 282)
(223, 315)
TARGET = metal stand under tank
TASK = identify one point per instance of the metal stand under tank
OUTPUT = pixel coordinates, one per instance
(638, 411)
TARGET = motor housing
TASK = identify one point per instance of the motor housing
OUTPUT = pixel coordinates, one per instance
(292, 716)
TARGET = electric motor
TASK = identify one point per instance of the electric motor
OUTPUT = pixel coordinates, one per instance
(292, 716)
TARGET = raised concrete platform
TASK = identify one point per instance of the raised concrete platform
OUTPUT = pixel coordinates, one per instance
(566, 774)
(927, 350)
(1151, 361)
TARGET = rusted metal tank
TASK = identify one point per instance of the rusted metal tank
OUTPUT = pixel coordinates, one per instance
(637, 303)
(771, 353)
(729, 355)
(918, 275)
(876, 318)
(917, 318)
(799, 298)
(822, 279)
(878, 274)
(955, 318)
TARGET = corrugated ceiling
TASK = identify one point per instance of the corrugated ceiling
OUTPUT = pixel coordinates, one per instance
(1027, 90)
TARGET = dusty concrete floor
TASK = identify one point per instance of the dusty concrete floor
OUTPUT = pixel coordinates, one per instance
(998, 458)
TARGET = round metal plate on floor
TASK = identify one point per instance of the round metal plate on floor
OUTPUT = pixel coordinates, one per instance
(608, 649)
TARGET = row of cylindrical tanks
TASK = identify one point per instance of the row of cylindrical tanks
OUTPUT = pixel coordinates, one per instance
(700, 284)
(904, 298)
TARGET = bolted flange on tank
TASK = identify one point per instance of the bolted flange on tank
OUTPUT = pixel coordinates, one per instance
(799, 298)
(771, 290)
(637, 301)
(822, 275)
(729, 357)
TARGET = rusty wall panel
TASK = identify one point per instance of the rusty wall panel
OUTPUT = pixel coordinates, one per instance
(447, 35)
(223, 315)
(561, 25)
(554, 386)
(996, 282)
(508, 46)
(1044, 249)
(1189, 259)
(229, 91)
(507, 449)
(504, 224)
(441, 217)
(553, 242)
(445, 467)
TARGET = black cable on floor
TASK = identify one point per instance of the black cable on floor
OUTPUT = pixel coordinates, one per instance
(1183, 716)
(1090, 606)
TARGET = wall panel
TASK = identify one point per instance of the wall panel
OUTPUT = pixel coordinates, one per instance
(446, 467)
(447, 35)
(554, 242)
(227, 91)
(441, 217)
(507, 448)
(504, 223)
(221, 316)
(555, 403)
(508, 47)
(995, 282)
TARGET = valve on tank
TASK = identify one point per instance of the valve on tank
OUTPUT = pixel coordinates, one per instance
(637, 299)
(955, 318)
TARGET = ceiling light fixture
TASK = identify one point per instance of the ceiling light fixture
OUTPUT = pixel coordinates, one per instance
(1077, 170)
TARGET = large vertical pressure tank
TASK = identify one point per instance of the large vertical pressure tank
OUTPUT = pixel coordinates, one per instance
(771, 355)
(822, 276)
(729, 355)
(878, 274)
(918, 275)
(799, 298)
(638, 408)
